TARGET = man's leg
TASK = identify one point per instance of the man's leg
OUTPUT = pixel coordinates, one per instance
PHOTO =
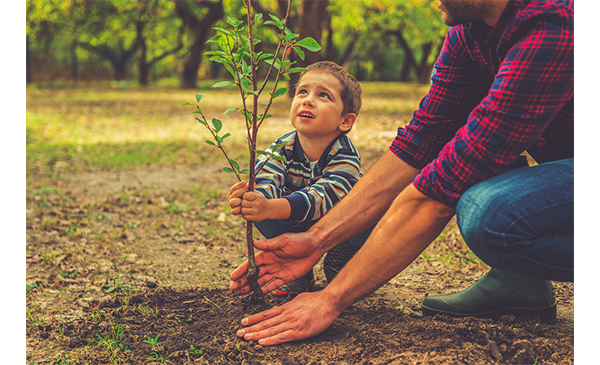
(521, 224)
(338, 257)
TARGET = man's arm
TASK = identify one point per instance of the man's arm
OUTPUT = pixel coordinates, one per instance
(289, 256)
(409, 226)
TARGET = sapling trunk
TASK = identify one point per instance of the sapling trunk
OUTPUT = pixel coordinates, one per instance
(253, 271)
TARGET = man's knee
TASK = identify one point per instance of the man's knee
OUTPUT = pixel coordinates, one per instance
(480, 216)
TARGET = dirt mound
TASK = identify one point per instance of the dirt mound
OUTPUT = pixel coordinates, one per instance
(197, 326)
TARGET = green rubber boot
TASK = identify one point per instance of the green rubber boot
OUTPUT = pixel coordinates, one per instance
(499, 292)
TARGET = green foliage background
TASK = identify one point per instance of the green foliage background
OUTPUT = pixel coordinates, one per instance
(65, 38)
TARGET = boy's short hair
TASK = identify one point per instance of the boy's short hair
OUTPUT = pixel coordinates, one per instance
(351, 91)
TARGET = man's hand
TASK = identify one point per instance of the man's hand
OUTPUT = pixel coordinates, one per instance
(283, 259)
(306, 316)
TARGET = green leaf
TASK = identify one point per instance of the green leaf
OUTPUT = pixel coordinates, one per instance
(310, 44)
(227, 169)
(299, 52)
(197, 111)
(230, 110)
(246, 84)
(265, 55)
(258, 16)
(201, 121)
(200, 97)
(295, 70)
(259, 152)
(225, 136)
(214, 39)
(216, 53)
(222, 84)
(217, 124)
(224, 31)
(234, 22)
(245, 171)
(211, 143)
(235, 164)
(279, 92)
(290, 36)
(188, 103)
(279, 158)
(277, 64)
(279, 146)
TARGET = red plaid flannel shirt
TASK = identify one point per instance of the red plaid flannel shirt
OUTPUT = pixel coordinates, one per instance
(495, 92)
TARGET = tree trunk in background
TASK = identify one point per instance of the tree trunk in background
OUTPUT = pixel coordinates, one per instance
(422, 68)
(74, 63)
(312, 19)
(200, 29)
(28, 77)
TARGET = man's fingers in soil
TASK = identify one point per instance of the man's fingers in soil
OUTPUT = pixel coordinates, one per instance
(272, 336)
(257, 320)
(270, 286)
(283, 337)
(239, 273)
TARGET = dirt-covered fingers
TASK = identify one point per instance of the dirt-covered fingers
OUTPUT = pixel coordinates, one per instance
(264, 324)
(273, 335)
(238, 276)
(267, 283)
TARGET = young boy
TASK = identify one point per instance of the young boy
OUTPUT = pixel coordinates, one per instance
(321, 165)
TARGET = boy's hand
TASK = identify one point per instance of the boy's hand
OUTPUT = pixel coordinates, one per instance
(234, 196)
(255, 207)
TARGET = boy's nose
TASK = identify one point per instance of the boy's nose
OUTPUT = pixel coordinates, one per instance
(308, 102)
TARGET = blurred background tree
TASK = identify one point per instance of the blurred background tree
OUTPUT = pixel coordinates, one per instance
(163, 41)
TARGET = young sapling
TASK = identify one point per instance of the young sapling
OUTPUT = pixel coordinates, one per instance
(238, 55)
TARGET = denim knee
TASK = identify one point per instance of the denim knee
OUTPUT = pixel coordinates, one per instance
(522, 220)
(474, 216)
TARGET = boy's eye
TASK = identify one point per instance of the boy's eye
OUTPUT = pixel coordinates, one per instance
(302, 92)
(324, 95)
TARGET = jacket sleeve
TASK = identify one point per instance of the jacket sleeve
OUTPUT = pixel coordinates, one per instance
(270, 175)
(339, 176)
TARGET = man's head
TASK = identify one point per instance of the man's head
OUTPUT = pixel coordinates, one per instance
(455, 12)
(326, 102)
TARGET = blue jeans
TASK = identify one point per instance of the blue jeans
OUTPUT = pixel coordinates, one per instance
(274, 228)
(523, 220)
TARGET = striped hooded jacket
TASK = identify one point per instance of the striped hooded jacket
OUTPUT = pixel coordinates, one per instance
(311, 193)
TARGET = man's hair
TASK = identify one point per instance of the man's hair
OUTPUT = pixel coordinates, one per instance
(351, 91)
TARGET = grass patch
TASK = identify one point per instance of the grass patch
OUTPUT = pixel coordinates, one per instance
(78, 128)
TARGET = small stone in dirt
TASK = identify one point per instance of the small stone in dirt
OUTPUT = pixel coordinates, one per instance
(524, 352)
(492, 348)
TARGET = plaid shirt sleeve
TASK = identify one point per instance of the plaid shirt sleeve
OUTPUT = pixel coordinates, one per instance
(533, 82)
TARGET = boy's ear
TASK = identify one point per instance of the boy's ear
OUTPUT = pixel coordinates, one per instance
(348, 122)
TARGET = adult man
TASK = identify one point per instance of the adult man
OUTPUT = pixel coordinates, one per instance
(503, 84)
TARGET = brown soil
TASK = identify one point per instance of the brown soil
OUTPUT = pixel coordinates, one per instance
(112, 262)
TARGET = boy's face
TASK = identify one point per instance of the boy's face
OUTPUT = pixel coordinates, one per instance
(316, 110)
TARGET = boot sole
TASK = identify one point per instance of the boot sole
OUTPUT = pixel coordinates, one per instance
(545, 315)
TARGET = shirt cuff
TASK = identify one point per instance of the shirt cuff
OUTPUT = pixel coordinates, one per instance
(299, 207)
